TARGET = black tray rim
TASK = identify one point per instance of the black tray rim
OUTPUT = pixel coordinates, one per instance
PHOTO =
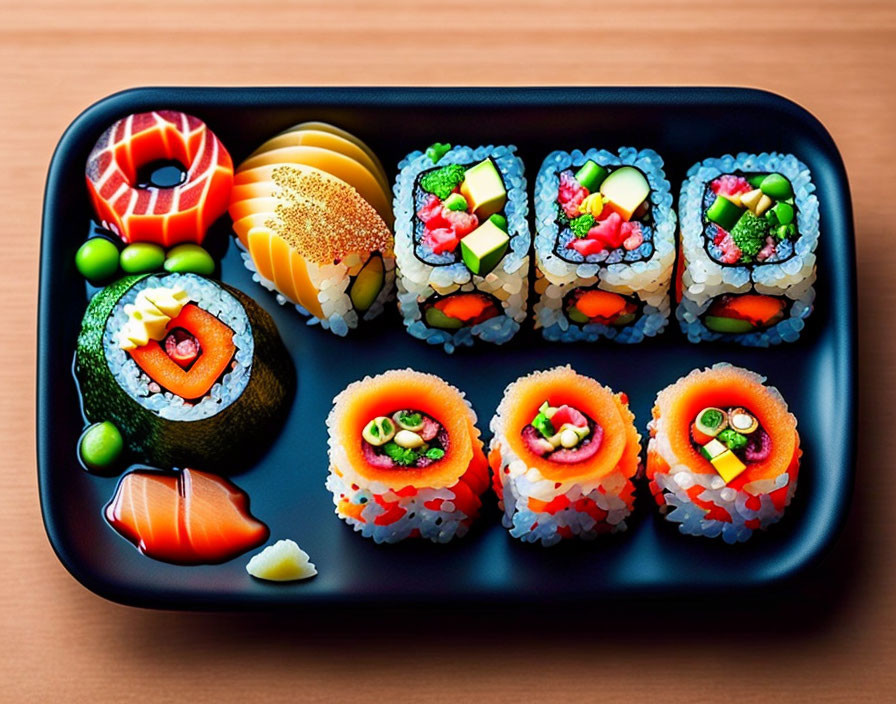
(115, 105)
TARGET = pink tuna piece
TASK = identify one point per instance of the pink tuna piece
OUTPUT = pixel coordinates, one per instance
(731, 253)
(375, 460)
(570, 195)
(730, 185)
(461, 221)
(635, 239)
(567, 414)
(442, 239)
(430, 429)
(768, 251)
(430, 209)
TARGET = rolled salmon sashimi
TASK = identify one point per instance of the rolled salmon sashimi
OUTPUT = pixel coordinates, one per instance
(406, 460)
(724, 453)
(564, 451)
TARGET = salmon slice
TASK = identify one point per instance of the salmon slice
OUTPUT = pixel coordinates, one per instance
(333, 163)
(339, 132)
(191, 517)
(326, 140)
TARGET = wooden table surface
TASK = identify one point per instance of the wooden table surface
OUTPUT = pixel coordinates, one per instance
(62, 643)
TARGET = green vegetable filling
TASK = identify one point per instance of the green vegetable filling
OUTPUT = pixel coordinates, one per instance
(400, 455)
(749, 234)
(543, 425)
(581, 225)
(711, 418)
(411, 419)
(733, 439)
(435, 453)
(442, 182)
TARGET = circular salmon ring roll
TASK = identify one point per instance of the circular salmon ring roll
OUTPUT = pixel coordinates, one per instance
(564, 451)
(129, 202)
(724, 453)
(191, 371)
(406, 460)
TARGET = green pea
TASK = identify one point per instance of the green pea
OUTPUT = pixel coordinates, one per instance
(189, 258)
(101, 446)
(500, 221)
(97, 259)
(142, 257)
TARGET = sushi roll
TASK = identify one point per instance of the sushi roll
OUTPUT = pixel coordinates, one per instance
(406, 460)
(724, 453)
(564, 451)
(604, 245)
(462, 244)
(191, 371)
(311, 211)
(749, 229)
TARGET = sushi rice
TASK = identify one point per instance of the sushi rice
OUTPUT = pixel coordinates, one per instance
(581, 506)
(704, 279)
(732, 512)
(332, 281)
(646, 280)
(418, 281)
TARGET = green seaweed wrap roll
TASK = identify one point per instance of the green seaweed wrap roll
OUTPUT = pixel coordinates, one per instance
(190, 370)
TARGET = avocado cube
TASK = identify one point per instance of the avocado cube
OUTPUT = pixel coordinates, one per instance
(484, 189)
(724, 213)
(728, 465)
(713, 448)
(591, 175)
(483, 248)
(755, 179)
(624, 190)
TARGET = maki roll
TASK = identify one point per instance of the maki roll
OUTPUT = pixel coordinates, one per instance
(406, 460)
(604, 245)
(311, 211)
(724, 453)
(190, 370)
(749, 229)
(564, 451)
(462, 244)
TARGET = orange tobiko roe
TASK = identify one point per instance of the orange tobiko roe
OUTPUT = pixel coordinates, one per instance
(724, 387)
(620, 446)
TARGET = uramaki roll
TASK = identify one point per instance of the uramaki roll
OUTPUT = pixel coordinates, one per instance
(406, 460)
(724, 453)
(564, 451)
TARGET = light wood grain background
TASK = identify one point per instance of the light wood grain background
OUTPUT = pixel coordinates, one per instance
(62, 643)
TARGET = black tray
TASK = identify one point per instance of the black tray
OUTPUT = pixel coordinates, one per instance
(817, 375)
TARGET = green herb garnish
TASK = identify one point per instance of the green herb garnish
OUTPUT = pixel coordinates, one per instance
(581, 225)
(435, 453)
(400, 455)
(733, 439)
(411, 419)
(442, 181)
(749, 233)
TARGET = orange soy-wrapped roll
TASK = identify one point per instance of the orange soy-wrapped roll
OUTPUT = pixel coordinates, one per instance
(406, 460)
(564, 451)
(724, 453)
